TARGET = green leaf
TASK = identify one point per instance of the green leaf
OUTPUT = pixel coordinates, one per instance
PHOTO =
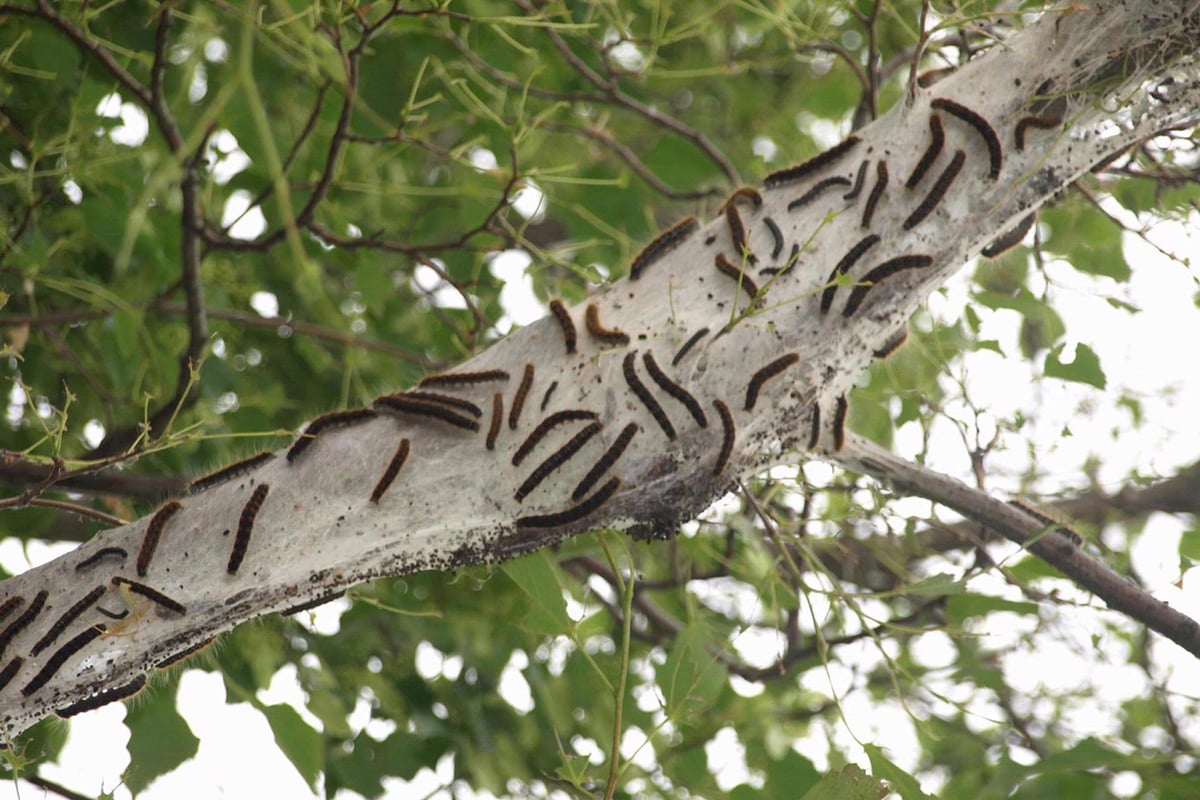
(691, 678)
(159, 738)
(1189, 544)
(849, 784)
(966, 605)
(901, 781)
(534, 575)
(298, 741)
(790, 776)
(936, 586)
(1084, 369)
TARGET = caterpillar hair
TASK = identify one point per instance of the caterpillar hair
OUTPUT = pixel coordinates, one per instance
(390, 473)
(423, 408)
(1011, 238)
(728, 432)
(101, 554)
(688, 345)
(844, 266)
(672, 388)
(445, 400)
(839, 423)
(765, 374)
(315, 603)
(737, 234)
(747, 193)
(981, 126)
(104, 698)
(497, 418)
(555, 460)
(859, 178)
(635, 383)
(605, 462)
(884, 270)
(56, 661)
(745, 281)
(184, 654)
(814, 435)
(881, 182)
(664, 243)
(564, 321)
(335, 420)
(1037, 123)
(800, 171)
(22, 622)
(154, 533)
(10, 605)
(151, 594)
(575, 512)
(937, 139)
(894, 343)
(776, 237)
(548, 424)
(229, 473)
(518, 403)
(936, 191)
(10, 670)
(245, 527)
(464, 378)
(68, 616)
(817, 190)
(607, 336)
(546, 397)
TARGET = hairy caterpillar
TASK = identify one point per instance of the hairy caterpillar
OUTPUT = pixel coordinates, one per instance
(445, 400)
(518, 404)
(335, 420)
(839, 423)
(546, 397)
(68, 616)
(936, 191)
(981, 126)
(776, 237)
(814, 435)
(881, 182)
(311, 604)
(225, 474)
(674, 389)
(183, 654)
(497, 417)
(104, 698)
(564, 321)
(12, 604)
(688, 345)
(99, 555)
(937, 139)
(784, 270)
(894, 342)
(816, 190)
(792, 174)
(22, 622)
(765, 374)
(635, 383)
(743, 193)
(55, 662)
(150, 594)
(424, 408)
(113, 614)
(843, 267)
(548, 424)
(154, 533)
(390, 473)
(884, 270)
(10, 670)
(462, 378)
(859, 178)
(245, 527)
(574, 513)
(728, 432)
(1009, 239)
(737, 234)
(1037, 123)
(664, 243)
(556, 460)
(745, 281)
(608, 336)
(605, 462)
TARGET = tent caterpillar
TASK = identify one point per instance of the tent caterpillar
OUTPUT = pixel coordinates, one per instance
(153, 534)
(546, 397)
(881, 182)
(688, 345)
(445, 400)
(113, 614)
(184, 654)
(839, 423)
(635, 383)
(56, 661)
(792, 174)
(859, 178)
(664, 243)
(150, 594)
(609, 336)
(461, 378)
(518, 404)
(1011, 238)
(894, 343)
(22, 622)
(936, 191)
(884, 270)
(728, 432)
(548, 424)
(99, 555)
(816, 190)
(228, 473)
(336, 419)
(765, 374)
(743, 193)
(497, 417)
(1037, 123)
(745, 281)
(245, 527)
(776, 237)
(814, 435)
(844, 266)
(674, 389)
(11, 604)
(564, 321)
(103, 698)
(937, 138)
(575, 512)
(390, 473)
(556, 460)
(10, 670)
(67, 618)
(786, 268)
(737, 234)
(605, 462)
(424, 408)
(982, 127)
(311, 604)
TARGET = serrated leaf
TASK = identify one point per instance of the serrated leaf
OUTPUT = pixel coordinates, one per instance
(535, 577)
(691, 678)
(298, 741)
(1084, 369)
(851, 783)
(903, 783)
(790, 776)
(159, 739)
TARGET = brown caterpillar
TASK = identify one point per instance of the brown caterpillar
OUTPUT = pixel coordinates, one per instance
(497, 417)
(635, 383)
(335, 420)
(548, 424)
(423, 408)
(894, 343)
(937, 139)
(728, 433)
(245, 527)
(464, 378)
(765, 374)
(688, 345)
(22, 622)
(839, 423)
(1047, 520)
(607, 336)
(784, 270)
(11, 604)
(102, 553)
(150, 594)
(311, 604)
(743, 193)
(1037, 123)
(113, 614)
(445, 400)
(816, 190)
(10, 670)
(564, 321)
(605, 462)
(881, 182)
(55, 662)
(859, 178)
(556, 460)
(844, 266)
(936, 191)
(1009, 239)
(575, 512)
(390, 473)
(737, 234)
(745, 281)
(153, 534)
(884, 270)
(792, 174)
(183, 654)
(227, 474)
(981, 126)
(518, 404)
(546, 397)
(664, 243)
(776, 237)
(68, 616)
(674, 389)
(104, 698)
(814, 435)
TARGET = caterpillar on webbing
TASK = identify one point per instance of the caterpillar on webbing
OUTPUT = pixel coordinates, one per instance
(556, 459)
(245, 527)
(817, 190)
(564, 321)
(776, 237)
(445, 400)
(688, 345)
(608, 336)
(424, 408)
(390, 473)
(839, 423)
(843, 266)
(743, 193)
(518, 403)
(629, 367)
(102, 553)
(22, 622)
(728, 433)
(765, 374)
(664, 243)
(575, 512)
(154, 533)
(981, 126)
(1009, 239)
(68, 616)
(103, 698)
(737, 234)
(1038, 123)
(937, 138)
(606, 461)
(884, 270)
(548, 424)
(798, 172)
(674, 389)
(497, 416)
(727, 268)
(334, 420)
(225, 474)
(461, 378)
(881, 182)
(936, 191)
(859, 178)
(151, 594)
(56, 661)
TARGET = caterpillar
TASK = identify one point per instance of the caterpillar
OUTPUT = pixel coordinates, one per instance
(56, 661)
(884, 270)
(784, 270)
(745, 281)
(463, 378)
(445, 400)
(664, 243)
(839, 423)
(227, 473)
(67, 618)
(22, 622)
(245, 527)
(104, 698)
(608, 336)
(792, 174)
(556, 460)
(844, 266)
(1037, 123)
(776, 237)
(390, 473)
(937, 139)
(10, 670)
(575, 512)
(113, 614)
(814, 435)
(981, 126)
(743, 193)
(546, 397)
(635, 383)
(674, 389)
(150, 594)
(688, 345)
(311, 604)
(605, 462)
(1044, 518)
(881, 182)
(153, 534)
(497, 417)
(335, 420)
(765, 374)
(1010, 239)
(816, 190)
(728, 433)
(894, 343)
(859, 178)
(99, 555)
(183, 654)
(936, 191)
(424, 408)
(564, 321)
(737, 234)
(11, 604)
(518, 404)
(548, 424)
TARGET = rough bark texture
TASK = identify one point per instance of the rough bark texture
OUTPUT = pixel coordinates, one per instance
(1096, 79)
